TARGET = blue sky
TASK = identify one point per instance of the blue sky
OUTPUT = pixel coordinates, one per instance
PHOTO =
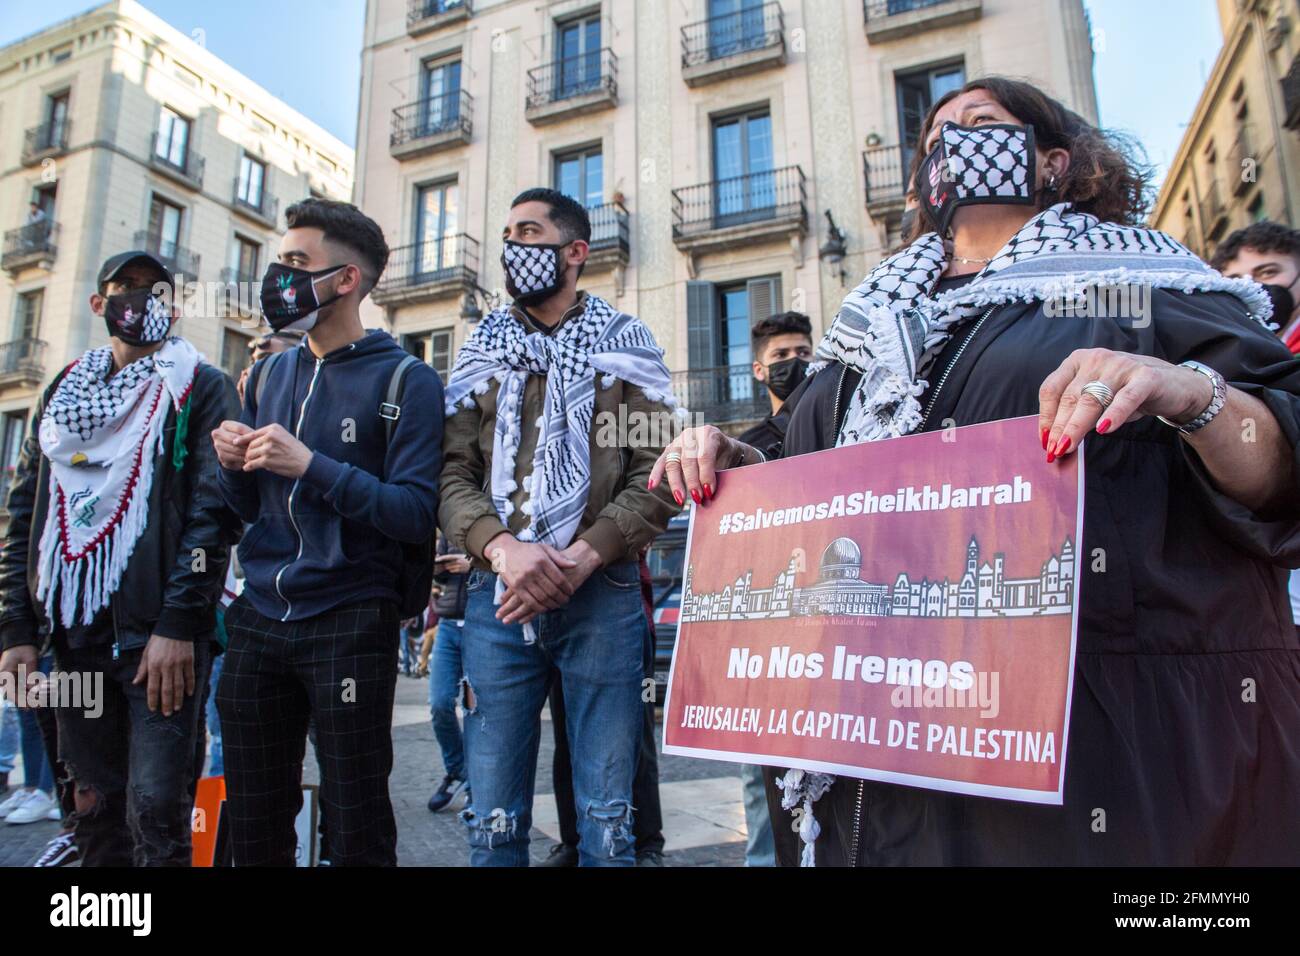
(1152, 56)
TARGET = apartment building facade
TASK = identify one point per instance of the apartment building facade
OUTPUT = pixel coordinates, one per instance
(738, 157)
(129, 134)
(1239, 161)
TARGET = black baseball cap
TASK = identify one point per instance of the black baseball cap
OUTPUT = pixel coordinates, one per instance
(113, 265)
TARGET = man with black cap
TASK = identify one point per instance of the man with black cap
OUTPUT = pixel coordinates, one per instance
(117, 547)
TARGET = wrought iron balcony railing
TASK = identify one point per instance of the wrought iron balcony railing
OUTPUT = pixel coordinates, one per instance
(263, 205)
(884, 172)
(419, 12)
(1212, 209)
(45, 140)
(573, 76)
(431, 117)
(448, 259)
(731, 34)
(1291, 95)
(740, 200)
(174, 256)
(609, 227)
(188, 165)
(36, 240)
(720, 395)
(23, 358)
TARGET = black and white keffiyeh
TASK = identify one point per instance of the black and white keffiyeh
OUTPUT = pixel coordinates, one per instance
(600, 340)
(893, 318)
(101, 439)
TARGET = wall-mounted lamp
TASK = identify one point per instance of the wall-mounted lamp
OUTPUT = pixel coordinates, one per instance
(834, 248)
(470, 310)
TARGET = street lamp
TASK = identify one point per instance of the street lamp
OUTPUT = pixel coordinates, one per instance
(834, 248)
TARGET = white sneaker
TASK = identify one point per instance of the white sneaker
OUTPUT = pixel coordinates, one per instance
(56, 811)
(15, 800)
(35, 807)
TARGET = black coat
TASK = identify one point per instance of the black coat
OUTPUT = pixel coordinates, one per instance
(163, 590)
(1172, 758)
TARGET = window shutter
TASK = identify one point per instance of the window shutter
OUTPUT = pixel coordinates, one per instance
(702, 325)
(764, 298)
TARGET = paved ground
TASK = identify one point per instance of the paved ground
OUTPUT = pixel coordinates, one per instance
(704, 823)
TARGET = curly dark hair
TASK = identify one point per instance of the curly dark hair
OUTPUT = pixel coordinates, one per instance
(783, 323)
(1262, 237)
(1109, 175)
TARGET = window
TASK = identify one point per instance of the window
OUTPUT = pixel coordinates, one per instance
(735, 26)
(439, 97)
(245, 257)
(164, 227)
(27, 319)
(436, 224)
(252, 173)
(432, 348)
(917, 92)
(1258, 213)
(173, 141)
(12, 430)
(579, 175)
(577, 56)
(742, 166)
(234, 352)
(43, 196)
(56, 119)
(719, 319)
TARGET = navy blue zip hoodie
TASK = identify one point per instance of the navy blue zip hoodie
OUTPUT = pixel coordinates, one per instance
(332, 537)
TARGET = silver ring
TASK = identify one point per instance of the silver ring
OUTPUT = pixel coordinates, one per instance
(673, 456)
(1100, 391)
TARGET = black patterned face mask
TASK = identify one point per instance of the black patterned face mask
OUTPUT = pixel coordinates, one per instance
(992, 163)
(138, 317)
(533, 271)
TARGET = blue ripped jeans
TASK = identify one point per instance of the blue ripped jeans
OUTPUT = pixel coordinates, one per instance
(595, 642)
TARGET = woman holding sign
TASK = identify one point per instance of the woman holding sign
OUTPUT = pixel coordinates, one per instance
(1029, 290)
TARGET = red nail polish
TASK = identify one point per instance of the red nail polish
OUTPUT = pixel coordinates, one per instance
(695, 496)
(1065, 446)
(677, 497)
(650, 484)
(1051, 457)
(1102, 426)
(708, 492)
(1046, 432)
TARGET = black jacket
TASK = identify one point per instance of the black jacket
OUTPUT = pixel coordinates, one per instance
(1185, 726)
(161, 591)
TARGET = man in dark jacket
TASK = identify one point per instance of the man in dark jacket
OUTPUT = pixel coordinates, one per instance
(331, 478)
(782, 347)
(121, 569)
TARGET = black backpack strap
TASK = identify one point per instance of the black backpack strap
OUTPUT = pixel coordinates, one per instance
(390, 410)
(259, 386)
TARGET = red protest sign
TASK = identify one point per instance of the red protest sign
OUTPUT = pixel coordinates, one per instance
(901, 610)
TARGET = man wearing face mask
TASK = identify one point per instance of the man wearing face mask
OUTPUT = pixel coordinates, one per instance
(1269, 253)
(117, 546)
(782, 348)
(553, 506)
(333, 464)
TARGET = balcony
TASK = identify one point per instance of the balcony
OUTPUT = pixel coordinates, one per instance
(1214, 215)
(42, 142)
(30, 246)
(243, 290)
(1241, 163)
(22, 362)
(610, 243)
(886, 20)
(733, 45)
(1291, 95)
(429, 125)
(186, 169)
(574, 86)
(424, 16)
(263, 208)
(884, 174)
(724, 395)
(175, 257)
(732, 213)
(428, 270)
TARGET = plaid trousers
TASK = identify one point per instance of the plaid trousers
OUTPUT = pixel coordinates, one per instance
(340, 670)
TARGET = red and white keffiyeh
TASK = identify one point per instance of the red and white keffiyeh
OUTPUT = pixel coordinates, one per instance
(101, 438)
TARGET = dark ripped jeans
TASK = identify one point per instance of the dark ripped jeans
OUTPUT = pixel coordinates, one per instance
(138, 764)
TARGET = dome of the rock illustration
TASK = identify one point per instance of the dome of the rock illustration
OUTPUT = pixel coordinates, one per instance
(841, 559)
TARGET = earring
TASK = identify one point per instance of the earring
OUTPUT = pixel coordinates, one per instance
(1051, 183)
